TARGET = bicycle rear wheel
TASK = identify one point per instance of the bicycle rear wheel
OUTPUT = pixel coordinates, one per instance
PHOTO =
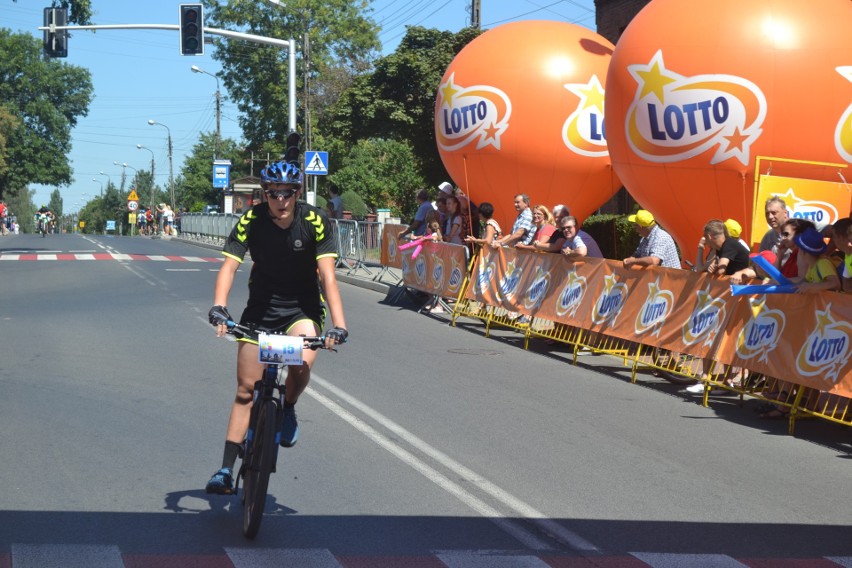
(260, 465)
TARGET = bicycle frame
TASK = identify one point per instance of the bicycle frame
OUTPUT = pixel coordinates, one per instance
(267, 389)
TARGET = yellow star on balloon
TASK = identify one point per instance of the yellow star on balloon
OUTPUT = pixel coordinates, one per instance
(448, 91)
(654, 80)
(591, 94)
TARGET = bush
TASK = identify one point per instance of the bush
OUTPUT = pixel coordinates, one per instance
(321, 202)
(353, 202)
(616, 236)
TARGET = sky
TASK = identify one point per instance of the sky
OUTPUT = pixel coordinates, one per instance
(139, 75)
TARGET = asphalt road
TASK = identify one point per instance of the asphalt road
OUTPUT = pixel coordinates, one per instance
(420, 442)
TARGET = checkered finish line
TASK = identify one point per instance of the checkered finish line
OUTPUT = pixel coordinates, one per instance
(108, 556)
(106, 256)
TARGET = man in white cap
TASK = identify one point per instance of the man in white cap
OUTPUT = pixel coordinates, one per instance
(657, 247)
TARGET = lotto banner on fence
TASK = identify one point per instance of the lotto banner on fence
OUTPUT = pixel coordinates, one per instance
(439, 268)
(679, 310)
(806, 338)
(390, 255)
(822, 202)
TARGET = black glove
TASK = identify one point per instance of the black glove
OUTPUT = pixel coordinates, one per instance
(338, 334)
(219, 315)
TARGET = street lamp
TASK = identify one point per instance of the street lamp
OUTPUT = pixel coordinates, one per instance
(109, 180)
(102, 185)
(171, 164)
(141, 147)
(197, 69)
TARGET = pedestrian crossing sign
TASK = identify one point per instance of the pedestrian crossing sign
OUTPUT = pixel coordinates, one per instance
(316, 163)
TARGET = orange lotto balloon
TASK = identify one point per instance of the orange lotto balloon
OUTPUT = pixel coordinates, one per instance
(698, 90)
(520, 110)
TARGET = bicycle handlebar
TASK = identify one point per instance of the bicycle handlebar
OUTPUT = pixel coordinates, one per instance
(310, 342)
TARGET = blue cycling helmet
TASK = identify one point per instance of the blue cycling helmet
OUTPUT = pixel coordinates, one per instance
(281, 172)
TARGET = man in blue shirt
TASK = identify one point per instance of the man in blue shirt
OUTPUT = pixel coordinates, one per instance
(523, 230)
(418, 224)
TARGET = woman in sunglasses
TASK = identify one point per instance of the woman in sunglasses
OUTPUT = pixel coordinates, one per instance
(293, 253)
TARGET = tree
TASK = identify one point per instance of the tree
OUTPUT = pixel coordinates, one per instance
(46, 97)
(194, 188)
(55, 203)
(79, 11)
(8, 123)
(383, 172)
(256, 76)
(397, 100)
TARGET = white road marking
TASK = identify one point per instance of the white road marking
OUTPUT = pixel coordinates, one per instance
(541, 520)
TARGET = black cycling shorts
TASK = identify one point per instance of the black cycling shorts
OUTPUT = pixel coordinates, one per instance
(282, 316)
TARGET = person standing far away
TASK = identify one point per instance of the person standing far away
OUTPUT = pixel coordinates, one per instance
(523, 229)
(294, 256)
(335, 204)
(656, 248)
(417, 227)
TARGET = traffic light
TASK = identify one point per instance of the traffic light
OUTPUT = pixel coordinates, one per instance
(55, 42)
(191, 29)
(291, 155)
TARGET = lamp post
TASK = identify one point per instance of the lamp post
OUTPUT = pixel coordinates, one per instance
(197, 69)
(135, 174)
(109, 181)
(141, 147)
(171, 165)
(123, 173)
(101, 184)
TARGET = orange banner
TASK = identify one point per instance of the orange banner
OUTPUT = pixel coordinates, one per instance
(390, 255)
(683, 311)
(439, 268)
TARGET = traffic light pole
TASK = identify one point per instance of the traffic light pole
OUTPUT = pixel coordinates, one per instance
(289, 44)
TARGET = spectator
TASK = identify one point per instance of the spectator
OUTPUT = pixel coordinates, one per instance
(335, 204)
(161, 208)
(557, 240)
(728, 255)
(523, 229)
(457, 225)
(168, 220)
(656, 248)
(820, 273)
(492, 227)
(418, 224)
(735, 230)
(4, 214)
(776, 216)
(842, 239)
(544, 228)
(786, 259)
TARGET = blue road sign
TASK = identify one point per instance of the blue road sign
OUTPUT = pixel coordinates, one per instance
(316, 163)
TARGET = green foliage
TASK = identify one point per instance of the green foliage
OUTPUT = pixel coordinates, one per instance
(397, 100)
(383, 172)
(256, 76)
(616, 236)
(353, 202)
(21, 206)
(45, 97)
(321, 202)
(194, 187)
(55, 203)
(79, 11)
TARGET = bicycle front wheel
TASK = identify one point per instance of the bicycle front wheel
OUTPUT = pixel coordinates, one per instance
(260, 465)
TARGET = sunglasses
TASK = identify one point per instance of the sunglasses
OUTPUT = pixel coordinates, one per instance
(569, 228)
(280, 194)
(786, 234)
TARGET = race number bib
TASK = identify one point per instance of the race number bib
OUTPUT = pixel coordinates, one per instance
(280, 349)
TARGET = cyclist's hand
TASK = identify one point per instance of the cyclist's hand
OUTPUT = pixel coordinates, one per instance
(219, 316)
(334, 336)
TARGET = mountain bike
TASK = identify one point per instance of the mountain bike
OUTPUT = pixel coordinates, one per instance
(260, 449)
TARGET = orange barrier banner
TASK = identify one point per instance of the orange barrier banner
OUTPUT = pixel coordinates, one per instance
(439, 268)
(804, 338)
(390, 255)
(683, 311)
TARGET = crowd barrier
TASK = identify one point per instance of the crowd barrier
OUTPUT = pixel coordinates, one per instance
(212, 228)
(789, 349)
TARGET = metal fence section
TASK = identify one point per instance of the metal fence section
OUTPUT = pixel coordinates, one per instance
(358, 244)
(207, 227)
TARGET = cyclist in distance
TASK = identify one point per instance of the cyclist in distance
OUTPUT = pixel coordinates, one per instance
(294, 255)
(44, 217)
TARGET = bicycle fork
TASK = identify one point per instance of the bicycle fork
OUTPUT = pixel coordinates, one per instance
(264, 390)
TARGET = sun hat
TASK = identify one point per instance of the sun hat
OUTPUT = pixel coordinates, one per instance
(642, 218)
(811, 241)
(767, 254)
(734, 228)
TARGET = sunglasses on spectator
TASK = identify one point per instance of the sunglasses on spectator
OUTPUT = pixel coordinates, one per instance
(787, 234)
(569, 227)
(280, 194)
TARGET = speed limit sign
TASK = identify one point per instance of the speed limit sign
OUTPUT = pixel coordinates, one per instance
(132, 205)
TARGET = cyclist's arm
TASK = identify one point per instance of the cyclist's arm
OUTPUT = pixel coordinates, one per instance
(330, 290)
(224, 281)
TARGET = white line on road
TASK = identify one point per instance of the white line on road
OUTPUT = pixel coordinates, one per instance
(183, 270)
(527, 538)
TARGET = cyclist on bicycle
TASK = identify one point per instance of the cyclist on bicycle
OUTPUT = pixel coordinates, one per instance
(44, 216)
(292, 246)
